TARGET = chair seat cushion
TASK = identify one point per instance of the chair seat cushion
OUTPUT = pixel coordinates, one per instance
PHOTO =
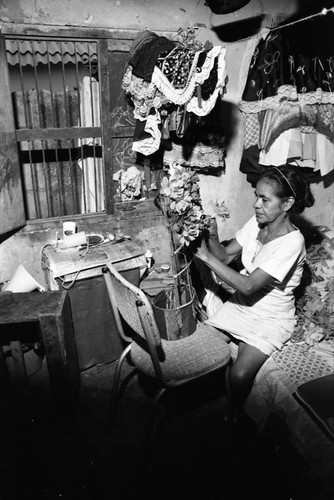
(202, 352)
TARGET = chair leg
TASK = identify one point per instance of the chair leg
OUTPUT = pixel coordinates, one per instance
(116, 384)
(228, 395)
(151, 428)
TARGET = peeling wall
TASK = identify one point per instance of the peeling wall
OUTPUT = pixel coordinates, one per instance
(162, 15)
(132, 14)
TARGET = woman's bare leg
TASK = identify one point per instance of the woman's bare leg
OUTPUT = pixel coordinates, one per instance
(242, 374)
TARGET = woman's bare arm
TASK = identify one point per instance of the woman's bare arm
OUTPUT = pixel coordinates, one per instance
(226, 253)
(223, 253)
(246, 284)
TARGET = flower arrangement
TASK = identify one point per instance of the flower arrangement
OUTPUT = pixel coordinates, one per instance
(181, 203)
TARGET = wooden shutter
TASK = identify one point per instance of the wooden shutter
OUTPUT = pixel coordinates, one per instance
(11, 195)
(117, 116)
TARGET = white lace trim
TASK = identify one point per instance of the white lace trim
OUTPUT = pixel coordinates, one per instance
(203, 107)
(150, 144)
(287, 92)
(144, 95)
(177, 96)
(183, 96)
(202, 156)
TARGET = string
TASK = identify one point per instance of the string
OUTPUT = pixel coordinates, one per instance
(265, 30)
(312, 16)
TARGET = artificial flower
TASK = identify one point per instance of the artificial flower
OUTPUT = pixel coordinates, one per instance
(182, 204)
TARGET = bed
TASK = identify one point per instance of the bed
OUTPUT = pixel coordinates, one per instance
(295, 384)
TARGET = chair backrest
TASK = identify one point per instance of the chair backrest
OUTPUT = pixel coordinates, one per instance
(131, 303)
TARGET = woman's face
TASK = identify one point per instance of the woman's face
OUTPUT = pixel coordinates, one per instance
(268, 207)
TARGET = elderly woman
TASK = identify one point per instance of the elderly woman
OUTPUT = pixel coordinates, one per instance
(260, 315)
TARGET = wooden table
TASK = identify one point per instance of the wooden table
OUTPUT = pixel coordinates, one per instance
(80, 272)
(52, 311)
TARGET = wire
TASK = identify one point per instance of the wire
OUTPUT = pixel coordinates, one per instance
(322, 13)
(71, 283)
(264, 31)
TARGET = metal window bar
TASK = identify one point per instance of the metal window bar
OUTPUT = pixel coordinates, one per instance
(53, 113)
(60, 180)
(77, 81)
(95, 170)
(34, 182)
(21, 83)
(72, 182)
(47, 186)
(64, 86)
(39, 113)
(91, 86)
(84, 187)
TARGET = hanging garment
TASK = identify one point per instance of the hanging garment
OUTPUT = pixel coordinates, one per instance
(291, 64)
(143, 38)
(293, 146)
(201, 157)
(130, 183)
(290, 84)
(199, 79)
(292, 115)
(144, 95)
(177, 65)
(324, 155)
(278, 153)
(202, 144)
(210, 72)
(147, 136)
(251, 128)
(144, 60)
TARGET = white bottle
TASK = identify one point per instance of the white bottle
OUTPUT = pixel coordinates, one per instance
(149, 258)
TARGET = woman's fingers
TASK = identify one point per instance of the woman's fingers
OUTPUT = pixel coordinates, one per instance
(213, 228)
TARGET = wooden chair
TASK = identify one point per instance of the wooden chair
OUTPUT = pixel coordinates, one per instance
(171, 363)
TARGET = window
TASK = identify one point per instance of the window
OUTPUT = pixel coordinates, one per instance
(73, 124)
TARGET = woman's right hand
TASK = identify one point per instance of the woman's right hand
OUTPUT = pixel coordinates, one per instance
(202, 251)
(213, 228)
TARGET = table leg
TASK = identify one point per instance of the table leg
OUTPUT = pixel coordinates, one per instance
(4, 379)
(20, 371)
(61, 355)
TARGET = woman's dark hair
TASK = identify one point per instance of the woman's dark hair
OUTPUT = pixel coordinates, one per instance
(287, 181)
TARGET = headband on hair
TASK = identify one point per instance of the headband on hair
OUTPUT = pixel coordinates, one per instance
(287, 180)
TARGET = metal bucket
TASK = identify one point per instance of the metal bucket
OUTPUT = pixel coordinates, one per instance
(174, 312)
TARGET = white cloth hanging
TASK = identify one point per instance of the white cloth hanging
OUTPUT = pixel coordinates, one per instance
(92, 193)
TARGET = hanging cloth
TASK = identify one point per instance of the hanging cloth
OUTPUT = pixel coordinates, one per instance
(193, 79)
(290, 84)
(296, 62)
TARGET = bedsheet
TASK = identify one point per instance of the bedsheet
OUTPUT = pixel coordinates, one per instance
(272, 395)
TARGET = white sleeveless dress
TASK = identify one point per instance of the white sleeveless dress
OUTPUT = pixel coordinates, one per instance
(266, 319)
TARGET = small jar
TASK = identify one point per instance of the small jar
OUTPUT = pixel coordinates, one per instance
(149, 259)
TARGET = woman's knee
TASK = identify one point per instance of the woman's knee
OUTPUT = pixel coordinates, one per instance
(239, 376)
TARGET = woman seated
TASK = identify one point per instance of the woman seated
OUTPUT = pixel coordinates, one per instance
(260, 314)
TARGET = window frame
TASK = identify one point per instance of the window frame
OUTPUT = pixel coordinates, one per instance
(110, 42)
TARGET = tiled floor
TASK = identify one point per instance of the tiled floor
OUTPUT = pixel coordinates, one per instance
(195, 454)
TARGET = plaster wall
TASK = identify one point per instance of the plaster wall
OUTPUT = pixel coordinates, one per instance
(132, 14)
(160, 15)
